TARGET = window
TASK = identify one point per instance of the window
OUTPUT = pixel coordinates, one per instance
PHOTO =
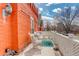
(4, 15)
(32, 24)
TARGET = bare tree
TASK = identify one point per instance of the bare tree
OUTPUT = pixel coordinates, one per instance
(48, 26)
(66, 16)
(40, 22)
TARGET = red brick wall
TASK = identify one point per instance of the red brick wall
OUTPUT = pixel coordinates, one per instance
(5, 32)
(14, 27)
(14, 33)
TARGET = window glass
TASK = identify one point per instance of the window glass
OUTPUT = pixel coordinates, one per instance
(32, 24)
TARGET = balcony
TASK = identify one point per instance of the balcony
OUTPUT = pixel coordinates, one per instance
(66, 46)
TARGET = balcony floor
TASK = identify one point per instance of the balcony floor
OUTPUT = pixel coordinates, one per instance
(34, 51)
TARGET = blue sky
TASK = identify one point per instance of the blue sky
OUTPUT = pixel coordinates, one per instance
(49, 9)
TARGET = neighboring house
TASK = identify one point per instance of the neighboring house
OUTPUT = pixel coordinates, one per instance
(59, 27)
(75, 29)
(16, 22)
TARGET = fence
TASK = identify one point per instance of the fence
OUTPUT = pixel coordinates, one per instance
(67, 45)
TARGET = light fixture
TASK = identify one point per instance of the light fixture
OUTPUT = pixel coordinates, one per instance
(6, 12)
(8, 9)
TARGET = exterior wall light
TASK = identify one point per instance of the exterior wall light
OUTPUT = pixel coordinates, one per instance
(8, 9)
(6, 12)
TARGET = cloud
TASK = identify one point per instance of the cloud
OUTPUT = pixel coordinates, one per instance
(57, 10)
(73, 7)
(47, 18)
(48, 14)
(50, 19)
(66, 7)
(48, 4)
(56, 3)
(40, 9)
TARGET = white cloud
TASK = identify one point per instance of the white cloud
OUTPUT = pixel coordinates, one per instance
(40, 9)
(50, 19)
(66, 7)
(55, 10)
(47, 18)
(48, 14)
(49, 4)
(58, 10)
(56, 3)
(73, 7)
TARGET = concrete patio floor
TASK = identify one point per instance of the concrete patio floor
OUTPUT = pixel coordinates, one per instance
(34, 51)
